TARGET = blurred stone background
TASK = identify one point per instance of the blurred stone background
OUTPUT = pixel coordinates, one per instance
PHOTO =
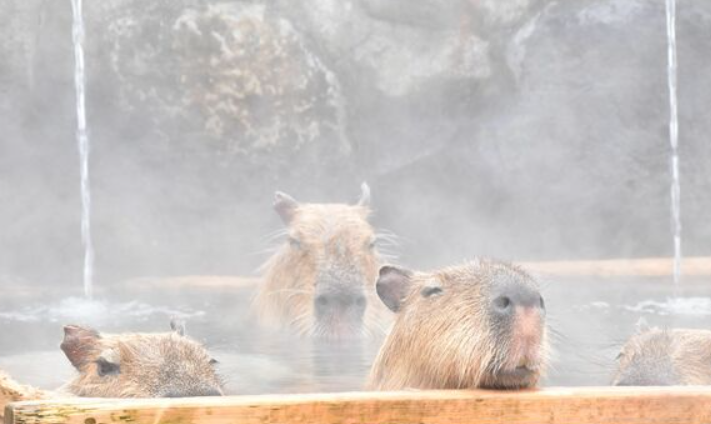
(524, 129)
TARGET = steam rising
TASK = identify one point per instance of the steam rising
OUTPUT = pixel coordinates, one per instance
(523, 130)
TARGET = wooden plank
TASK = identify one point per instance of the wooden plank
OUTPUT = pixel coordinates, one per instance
(12, 391)
(221, 282)
(646, 267)
(609, 405)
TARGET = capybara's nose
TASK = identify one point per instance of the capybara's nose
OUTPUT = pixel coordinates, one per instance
(508, 297)
(333, 303)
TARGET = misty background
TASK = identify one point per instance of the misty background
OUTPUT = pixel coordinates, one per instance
(524, 130)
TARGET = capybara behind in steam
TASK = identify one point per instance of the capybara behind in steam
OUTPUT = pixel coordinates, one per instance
(138, 365)
(477, 325)
(658, 357)
(321, 281)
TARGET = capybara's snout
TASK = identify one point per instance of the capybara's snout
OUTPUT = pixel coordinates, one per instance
(511, 298)
(348, 305)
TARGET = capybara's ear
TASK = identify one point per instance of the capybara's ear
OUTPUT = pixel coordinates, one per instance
(79, 344)
(285, 206)
(642, 326)
(108, 363)
(178, 326)
(364, 195)
(393, 286)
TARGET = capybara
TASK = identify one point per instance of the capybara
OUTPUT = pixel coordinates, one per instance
(11, 391)
(321, 280)
(476, 325)
(137, 365)
(660, 357)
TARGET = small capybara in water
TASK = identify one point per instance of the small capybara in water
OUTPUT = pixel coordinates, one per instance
(321, 281)
(138, 365)
(477, 325)
(658, 357)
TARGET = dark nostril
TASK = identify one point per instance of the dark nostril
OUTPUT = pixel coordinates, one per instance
(339, 303)
(360, 302)
(502, 303)
(322, 301)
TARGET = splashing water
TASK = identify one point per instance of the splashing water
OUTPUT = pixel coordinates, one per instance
(674, 137)
(83, 142)
(689, 306)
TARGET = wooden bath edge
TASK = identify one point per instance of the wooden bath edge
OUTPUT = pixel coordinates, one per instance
(584, 405)
(645, 267)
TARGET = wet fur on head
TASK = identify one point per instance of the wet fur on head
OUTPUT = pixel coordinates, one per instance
(138, 365)
(443, 338)
(333, 239)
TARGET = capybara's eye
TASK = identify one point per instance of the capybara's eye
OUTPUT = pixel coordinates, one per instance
(430, 291)
(104, 367)
(619, 356)
(372, 244)
(214, 361)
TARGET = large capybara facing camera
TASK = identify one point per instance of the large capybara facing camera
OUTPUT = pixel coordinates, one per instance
(138, 365)
(477, 325)
(321, 280)
(665, 357)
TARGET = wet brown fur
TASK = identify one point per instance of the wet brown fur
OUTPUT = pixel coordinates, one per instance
(285, 298)
(151, 365)
(682, 356)
(447, 341)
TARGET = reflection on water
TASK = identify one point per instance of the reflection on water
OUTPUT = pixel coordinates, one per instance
(590, 320)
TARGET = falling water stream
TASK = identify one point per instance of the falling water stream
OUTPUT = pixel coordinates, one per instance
(674, 137)
(83, 142)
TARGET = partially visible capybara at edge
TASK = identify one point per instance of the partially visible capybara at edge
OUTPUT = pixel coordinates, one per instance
(321, 281)
(477, 325)
(132, 365)
(137, 365)
(12, 391)
(659, 357)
